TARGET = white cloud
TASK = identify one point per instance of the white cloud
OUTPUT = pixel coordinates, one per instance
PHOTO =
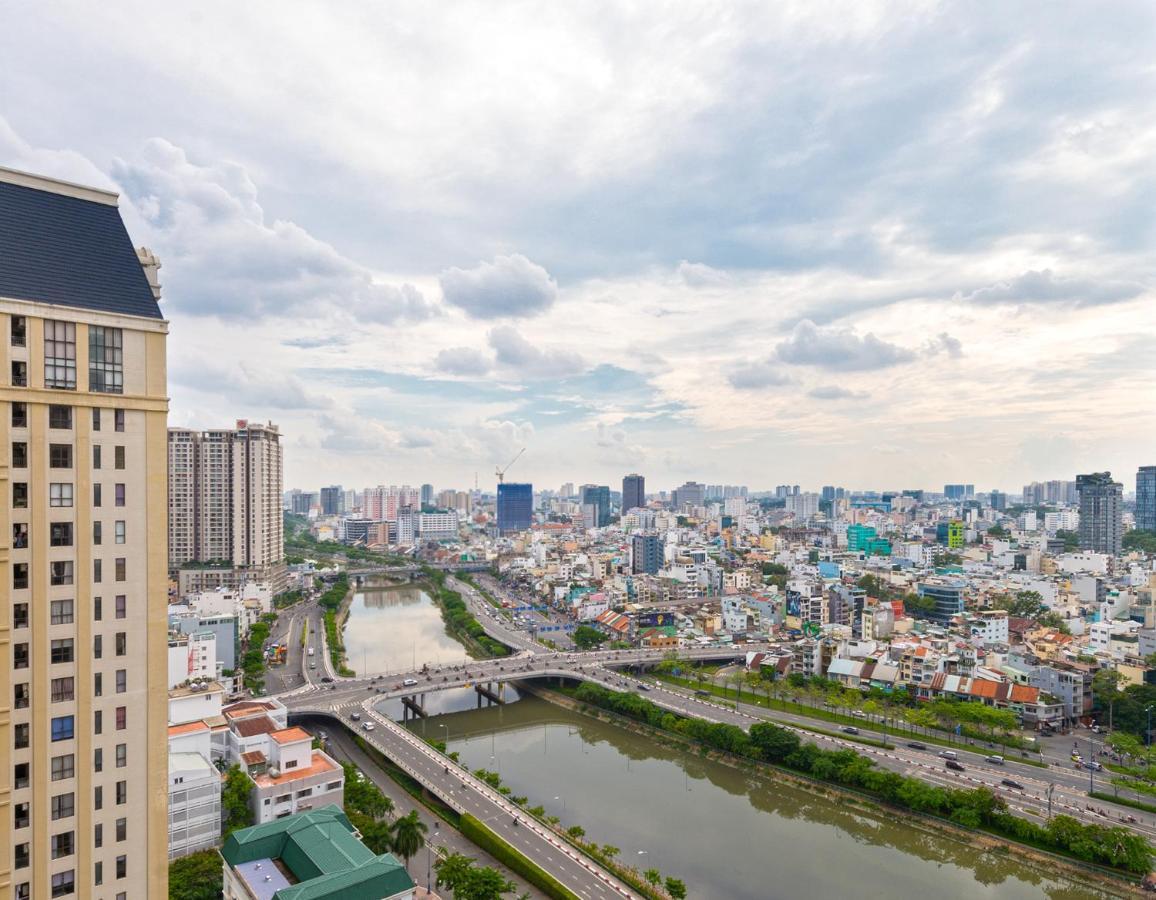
(761, 374)
(834, 392)
(839, 349)
(462, 361)
(509, 286)
(1045, 287)
(529, 360)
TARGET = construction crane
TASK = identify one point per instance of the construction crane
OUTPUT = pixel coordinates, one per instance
(501, 473)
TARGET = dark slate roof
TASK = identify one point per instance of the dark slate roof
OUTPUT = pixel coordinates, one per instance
(69, 251)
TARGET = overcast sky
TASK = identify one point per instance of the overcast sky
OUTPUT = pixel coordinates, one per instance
(866, 244)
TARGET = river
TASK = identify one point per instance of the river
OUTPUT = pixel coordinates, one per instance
(725, 832)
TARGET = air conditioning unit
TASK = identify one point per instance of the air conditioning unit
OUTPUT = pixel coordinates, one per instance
(274, 772)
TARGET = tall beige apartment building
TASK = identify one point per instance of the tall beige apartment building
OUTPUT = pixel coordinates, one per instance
(83, 587)
(225, 499)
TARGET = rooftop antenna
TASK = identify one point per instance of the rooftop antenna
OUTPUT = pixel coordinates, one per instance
(501, 473)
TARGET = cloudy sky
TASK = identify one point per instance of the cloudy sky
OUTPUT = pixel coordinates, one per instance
(869, 244)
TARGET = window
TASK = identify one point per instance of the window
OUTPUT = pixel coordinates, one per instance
(21, 815)
(121, 866)
(23, 891)
(63, 767)
(60, 572)
(20, 536)
(60, 456)
(20, 577)
(19, 415)
(121, 755)
(19, 331)
(60, 355)
(61, 612)
(98, 797)
(97, 570)
(21, 695)
(121, 718)
(118, 457)
(98, 684)
(121, 643)
(98, 872)
(97, 646)
(22, 856)
(20, 494)
(97, 532)
(105, 360)
(119, 528)
(97, 608)
(118, 419)
(19, 373)
(121, 829)
(19, 455)
(62, 728)
(59, 416)
(63, 689)
(20, 776)
(62, 650)
(63, 806)
(121, 605)
(96, 418)
(121, 793)
(96, 456)
(98, 836)
(60, 534)
(64, 883)
(121, 680)
(60, 493)
(62, 845)
(20, 615)
(98, 722)
(119, 494)
(21, 735)
(120, 568)
(96, 494)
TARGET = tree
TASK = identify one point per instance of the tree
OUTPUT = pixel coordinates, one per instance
(676, 888)
(1106, 688)
(609, 851)
(1071, 539)
(1141, 540)
(770, 568)
(652, 876)
(587, 638)
(918, 605)
(471, 882)
(235, 800)
(196, 876)
(576, 831)
(1024, 605)
(999, 532)
(409, 835)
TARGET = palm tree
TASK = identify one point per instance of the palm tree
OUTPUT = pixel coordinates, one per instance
(652, 876)
(409, 836)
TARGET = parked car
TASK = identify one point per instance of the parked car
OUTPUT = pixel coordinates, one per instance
(917, 745)
(849, 729)
(953, 765)
(1007, 782)
(995, 759)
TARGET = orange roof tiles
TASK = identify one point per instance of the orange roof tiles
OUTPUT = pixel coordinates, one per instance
(255, 726)
(291, 735)
(187, 728)
(320, 766)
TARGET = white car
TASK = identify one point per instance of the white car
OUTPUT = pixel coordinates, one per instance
(367, 726)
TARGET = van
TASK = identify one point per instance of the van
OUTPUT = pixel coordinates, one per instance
(948, 754)
(995, 758)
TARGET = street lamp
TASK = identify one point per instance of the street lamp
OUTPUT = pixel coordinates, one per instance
(563, 799)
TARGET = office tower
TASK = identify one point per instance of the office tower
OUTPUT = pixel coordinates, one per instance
(427, 495)
(598, 496)
(567, 490)
(1146, 498)
(950, 534)
(690, 494)
(1101, 512)
(948, 599)
(227, 482)
(998, 500)
(515, 507)
(958, 491)
(633, 492)
(828, 492)
(645, 554)
(83, 623)
(332, 500)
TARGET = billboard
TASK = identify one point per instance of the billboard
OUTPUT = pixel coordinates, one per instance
(655, 619)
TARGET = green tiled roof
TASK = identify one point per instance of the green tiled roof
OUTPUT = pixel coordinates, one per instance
(321, 850)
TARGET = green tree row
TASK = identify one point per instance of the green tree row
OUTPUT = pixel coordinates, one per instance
(458, 618)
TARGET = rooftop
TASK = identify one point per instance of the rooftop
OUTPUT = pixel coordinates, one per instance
(291, 735)
(64, 244)
(320, 765)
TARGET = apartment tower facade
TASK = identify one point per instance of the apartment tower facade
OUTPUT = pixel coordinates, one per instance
(83, 591)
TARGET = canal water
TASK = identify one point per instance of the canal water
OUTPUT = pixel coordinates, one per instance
(726, 833)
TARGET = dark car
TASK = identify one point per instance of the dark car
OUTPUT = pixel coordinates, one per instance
(1007, 782)
(953, 765)
(917, 745)
(326, 679)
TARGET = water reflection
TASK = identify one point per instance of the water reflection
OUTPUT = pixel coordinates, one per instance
(393, 628)
(726, 832)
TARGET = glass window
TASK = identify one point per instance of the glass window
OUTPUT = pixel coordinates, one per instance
(60, 493)
(20, 776)
(19, 575)
(97, 570)
(19, 615)
(98, 761)
(97, 532)
(121, 829)
(121, 680)
(97, 646)
(121, 793)
(119, 494)
(98, 872)
(121, 755)
(60, 572)
(63, 767)
(96, 456)
(19, 373)
(21, 735)
(120, 568)
(98, 796)
(119, 525)
(19, 535)
(121, 606)
(20, 494)
(60, 456)
(105, 360)
(97, 494)
(59, 355)
(118, 419)
(98, 835)
(96, 418)
(118, 456)
(63, 689)
(64, 883)
(21, 815)
(61, 612)
(19, 455)
(19, 656)
(62, 727)
(61, 650)
(23, 856)
(121, 643)
(98, 684)
(98, 722)
(59, 416)
(121, 866)
(18, 331)
(19, 415)
(21, 695)
(60, 534)
(97, 608)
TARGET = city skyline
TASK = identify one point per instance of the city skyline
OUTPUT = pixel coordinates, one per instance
(783, 256)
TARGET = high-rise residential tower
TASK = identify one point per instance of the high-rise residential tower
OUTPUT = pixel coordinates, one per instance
(515, 507)
(83, 594)
(1101, 512)
(332, 500)
(645, 554)
(633, 492)
(1146, 498)
(598, 496)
